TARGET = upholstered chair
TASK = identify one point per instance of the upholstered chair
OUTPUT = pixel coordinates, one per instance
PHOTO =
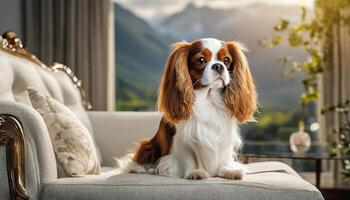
(28, 168)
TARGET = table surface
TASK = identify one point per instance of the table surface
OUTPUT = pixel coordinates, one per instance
(305, 156)
(316, 154)
(283, 151)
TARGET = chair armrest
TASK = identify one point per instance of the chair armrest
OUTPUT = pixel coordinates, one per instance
(117, 133)
(20, 123)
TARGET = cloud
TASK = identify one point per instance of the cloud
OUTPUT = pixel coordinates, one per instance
(150, 9)
(148, 3)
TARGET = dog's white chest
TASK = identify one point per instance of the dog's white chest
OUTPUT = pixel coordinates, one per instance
(208, 132)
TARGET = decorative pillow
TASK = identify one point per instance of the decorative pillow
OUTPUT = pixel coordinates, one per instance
(72, 142)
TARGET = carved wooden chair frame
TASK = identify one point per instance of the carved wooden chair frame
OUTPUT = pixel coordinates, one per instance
(11, 131)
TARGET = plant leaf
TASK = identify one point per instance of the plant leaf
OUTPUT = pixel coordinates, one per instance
(282, 25)
(303, 13)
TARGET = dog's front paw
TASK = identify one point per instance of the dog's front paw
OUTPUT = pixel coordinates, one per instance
(236, 174)
(198, 174)
(151, 171)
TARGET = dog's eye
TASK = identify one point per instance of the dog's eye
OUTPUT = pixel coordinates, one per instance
(202, 61)
(226, 61)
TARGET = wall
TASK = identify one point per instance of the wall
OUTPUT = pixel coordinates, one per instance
(11, 16)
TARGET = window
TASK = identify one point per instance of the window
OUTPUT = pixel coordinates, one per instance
(145, 30)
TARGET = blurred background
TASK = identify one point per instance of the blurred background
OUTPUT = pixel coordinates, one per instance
(152, 26)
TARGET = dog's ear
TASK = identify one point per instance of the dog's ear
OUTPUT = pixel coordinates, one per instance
(240, 94)
(176, 95)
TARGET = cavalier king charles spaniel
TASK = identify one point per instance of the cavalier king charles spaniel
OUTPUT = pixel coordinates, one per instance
(206, 91)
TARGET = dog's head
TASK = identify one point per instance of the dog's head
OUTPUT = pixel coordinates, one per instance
(206, 63)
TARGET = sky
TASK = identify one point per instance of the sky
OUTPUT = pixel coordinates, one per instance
(151, 9)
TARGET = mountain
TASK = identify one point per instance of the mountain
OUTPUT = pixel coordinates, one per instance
(248, 25)
(140, 55)
(141, 50)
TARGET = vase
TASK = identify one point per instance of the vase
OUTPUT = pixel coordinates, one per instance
(300, 141)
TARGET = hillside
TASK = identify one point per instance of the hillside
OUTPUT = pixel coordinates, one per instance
(141, 50)
(247, 25)
(140, 56)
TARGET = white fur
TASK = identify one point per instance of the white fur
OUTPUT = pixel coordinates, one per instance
(206, 144)
(208, 140)
(209, 75)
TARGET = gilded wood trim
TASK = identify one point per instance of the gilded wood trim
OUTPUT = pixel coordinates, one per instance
(11, 135)
(76, 82)
(10, 43)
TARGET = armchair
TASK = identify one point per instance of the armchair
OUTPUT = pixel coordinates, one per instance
(28, 168)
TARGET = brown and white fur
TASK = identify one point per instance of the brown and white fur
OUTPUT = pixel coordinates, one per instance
(205, 92)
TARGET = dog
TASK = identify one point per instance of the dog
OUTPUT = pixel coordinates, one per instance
(206, 91)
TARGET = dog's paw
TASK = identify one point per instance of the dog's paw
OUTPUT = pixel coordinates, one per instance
(198, 174)
(151, 171)
(236, 174)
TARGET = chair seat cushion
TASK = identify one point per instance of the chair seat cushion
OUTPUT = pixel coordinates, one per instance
(267, 180)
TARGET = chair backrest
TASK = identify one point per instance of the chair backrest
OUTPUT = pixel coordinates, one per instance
(19, 69)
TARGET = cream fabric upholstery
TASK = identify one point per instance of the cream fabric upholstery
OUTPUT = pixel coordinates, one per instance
(16, 74)
(271, 181)
(116, 133)
(39, 156)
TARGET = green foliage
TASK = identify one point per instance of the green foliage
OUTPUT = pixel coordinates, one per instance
(310, 35)
(134, 104)
(274, 125)
(341, 145)
(132, 94)
(282, 25)
(302, 35)
(315, 37)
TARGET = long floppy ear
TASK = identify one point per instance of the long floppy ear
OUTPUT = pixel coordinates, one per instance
(240, 94)
(176, 94)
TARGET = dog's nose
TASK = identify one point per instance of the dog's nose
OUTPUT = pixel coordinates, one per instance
(219, 68)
